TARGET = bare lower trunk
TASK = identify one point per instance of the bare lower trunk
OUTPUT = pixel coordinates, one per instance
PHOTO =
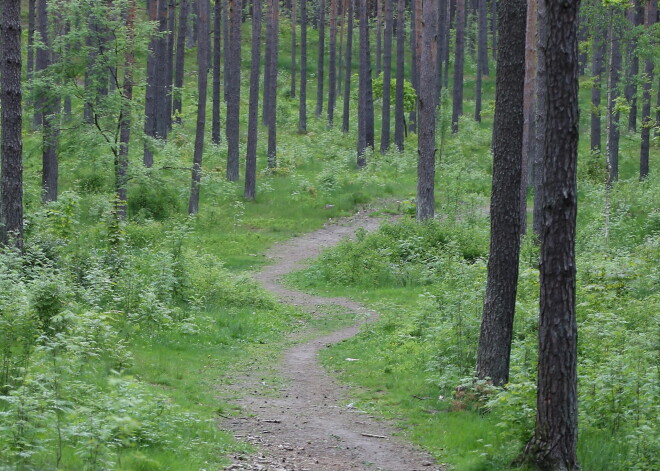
(457, 109)
(349, 63)
(253, 113)
(398, 106)
(233, 88)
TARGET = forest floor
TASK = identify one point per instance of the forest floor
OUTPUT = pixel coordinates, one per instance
(297, 415)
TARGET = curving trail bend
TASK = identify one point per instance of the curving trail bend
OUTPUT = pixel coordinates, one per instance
(304, 425)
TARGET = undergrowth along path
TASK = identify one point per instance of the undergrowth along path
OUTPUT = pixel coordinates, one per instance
(301, 423)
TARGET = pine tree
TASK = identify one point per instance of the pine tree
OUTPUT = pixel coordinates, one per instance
(11, 147)
(233, 88)
(253, 113)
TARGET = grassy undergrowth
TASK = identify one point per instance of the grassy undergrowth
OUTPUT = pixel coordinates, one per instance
(415, 364)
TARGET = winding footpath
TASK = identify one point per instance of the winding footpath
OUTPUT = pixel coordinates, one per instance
(303, 425)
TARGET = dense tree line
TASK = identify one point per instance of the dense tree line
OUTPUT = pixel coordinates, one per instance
(535, 44)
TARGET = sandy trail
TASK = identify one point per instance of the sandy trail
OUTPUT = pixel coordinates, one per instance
(305, 424)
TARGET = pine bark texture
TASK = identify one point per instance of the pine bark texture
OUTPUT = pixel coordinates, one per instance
(541, 106)
(554, 445)
(399, 117)
(302, 110)
(11, 160)
(217, 80)
(494, 350)
(202, 79)
(387, 78)
(348, 70)
(425, 208)
(253, 111)
(529, 110)
(272, 111)
(180, 58)
(294, 66)
(332, 63)
(233, 88)
(634, 19)
(48, 106)
(321, 58)
(150, 91)
(457, 96)
(366, 103)
(650, 17)
(161, 72)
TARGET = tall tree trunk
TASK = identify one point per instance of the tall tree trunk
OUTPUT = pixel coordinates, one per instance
(414, 69)
(483, 37)
(442, 15)
(150, 90)
(529, 110)
(399, 117)
(202, 79)
(253, 113)
(272, 112)
(302, 110)
(597, 69)
(321, 57)
(332, 63)
(349, 63)
(633, 67)
(36, 117)
(171, 24)
(612, 96)
(365, 108)
(426, 105)
(447, 39)
(387, 77)
(161, 72)
(457, 108)
(48, 106)
(493, 27)
(11, 160)
(340, 53)
(265, 112)
(379, 35)
(500, 301)
(233, 88)
(217, 80)
(541, 108)
(180, 57)
(554, 445)
(293, 48)
(225, 41)
(650, 17)
(121, 163)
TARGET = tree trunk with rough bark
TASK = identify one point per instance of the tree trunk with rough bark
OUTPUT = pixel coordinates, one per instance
(302, 110)
(293, 48)
(11, 147)
(635, 19)
(387, 77)
(150, 91)
(554, 445)
(399, 116)
(366, 104)
(427, 101)
(494, 350)
(180, 59)
(272, 111)
(233, 88)
(202, 79)
(529, 110)
(217, 80)
(253, 112)
(349, 63)
(332, 63)
(457, 105)
(321, 58)
(541, 106)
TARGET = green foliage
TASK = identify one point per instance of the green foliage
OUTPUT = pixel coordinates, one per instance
(409, 94)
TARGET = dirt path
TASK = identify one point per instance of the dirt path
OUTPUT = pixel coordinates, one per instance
(302, 424)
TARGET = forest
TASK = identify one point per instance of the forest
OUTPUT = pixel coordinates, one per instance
(330, 235)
